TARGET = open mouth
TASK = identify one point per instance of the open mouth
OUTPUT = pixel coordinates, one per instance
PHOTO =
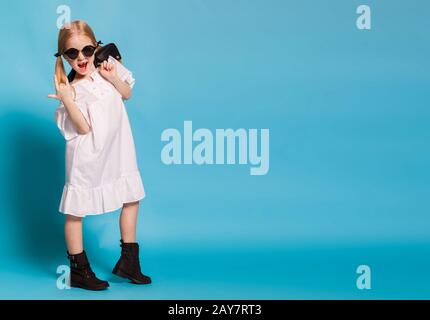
(83, 66)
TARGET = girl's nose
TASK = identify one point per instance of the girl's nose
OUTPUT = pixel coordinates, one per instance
(81, 56)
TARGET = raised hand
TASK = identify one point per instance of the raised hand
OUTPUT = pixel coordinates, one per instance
(108, 71)
(64, 91)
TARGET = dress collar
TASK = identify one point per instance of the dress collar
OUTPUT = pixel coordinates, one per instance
(92, 75)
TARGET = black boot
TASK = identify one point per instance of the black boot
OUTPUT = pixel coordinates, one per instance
(81, 275)
(128, 265)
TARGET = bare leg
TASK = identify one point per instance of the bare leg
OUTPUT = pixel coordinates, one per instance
(128, 221)
(128, 265)
(73, 233)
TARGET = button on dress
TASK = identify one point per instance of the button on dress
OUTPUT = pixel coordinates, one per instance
(101, 166)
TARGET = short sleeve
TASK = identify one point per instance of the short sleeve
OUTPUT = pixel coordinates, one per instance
(123, 73)
(66, 126)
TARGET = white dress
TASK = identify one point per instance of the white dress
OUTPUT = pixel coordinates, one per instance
(101, 166)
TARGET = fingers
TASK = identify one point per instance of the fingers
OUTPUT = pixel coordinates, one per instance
(74, 93)
(57, 87)
(67, 81)
(108, 65)
(53, 96)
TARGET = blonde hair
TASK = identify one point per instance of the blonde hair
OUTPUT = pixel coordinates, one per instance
(67, 31)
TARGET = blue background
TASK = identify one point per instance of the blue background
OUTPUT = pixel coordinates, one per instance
(348, 113)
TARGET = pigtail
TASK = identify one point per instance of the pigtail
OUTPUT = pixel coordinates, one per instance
(59, 71)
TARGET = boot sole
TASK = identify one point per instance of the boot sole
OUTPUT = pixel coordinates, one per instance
(76, 285)
(122, 274)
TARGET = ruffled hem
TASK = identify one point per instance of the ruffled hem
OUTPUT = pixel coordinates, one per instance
(80, 201)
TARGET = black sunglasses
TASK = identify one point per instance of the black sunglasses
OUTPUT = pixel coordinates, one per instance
(73, 53)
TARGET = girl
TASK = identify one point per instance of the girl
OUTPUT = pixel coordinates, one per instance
(101, 167)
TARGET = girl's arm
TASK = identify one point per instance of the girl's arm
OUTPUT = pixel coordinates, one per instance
(122, 87)
(65, 95)
(76, 116)
(108, 71)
